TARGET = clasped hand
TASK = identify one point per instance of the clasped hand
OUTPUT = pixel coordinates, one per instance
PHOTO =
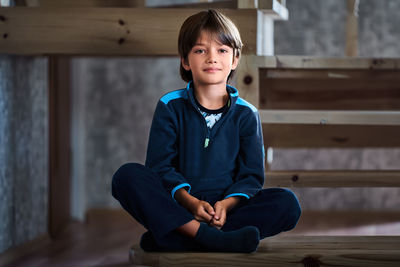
(204, 212)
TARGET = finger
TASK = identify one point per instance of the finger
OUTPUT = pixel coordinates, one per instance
(205, 215)
(209, 208)
(216, 226)
(223, 218)
(218, 211)
(216, 223)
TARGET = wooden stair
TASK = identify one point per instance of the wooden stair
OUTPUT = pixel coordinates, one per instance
(288, 251)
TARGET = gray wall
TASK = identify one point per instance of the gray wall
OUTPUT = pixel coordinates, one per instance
(116, 97)
(23, 149)
(319, 28)
(114, 100)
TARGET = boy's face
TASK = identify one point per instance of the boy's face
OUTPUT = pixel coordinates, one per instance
(210, 61)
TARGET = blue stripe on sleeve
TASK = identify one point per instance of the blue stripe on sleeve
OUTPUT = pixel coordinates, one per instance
(179, 187)
(237, 194)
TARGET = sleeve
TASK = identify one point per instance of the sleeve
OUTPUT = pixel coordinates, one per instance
(162, 149)
(250, 162)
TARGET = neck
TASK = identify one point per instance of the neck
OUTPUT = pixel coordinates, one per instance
(211, 96)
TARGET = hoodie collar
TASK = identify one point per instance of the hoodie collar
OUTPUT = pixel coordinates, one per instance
(233, 94)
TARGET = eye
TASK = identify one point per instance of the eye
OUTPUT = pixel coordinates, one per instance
(223, 50)
(199, 51)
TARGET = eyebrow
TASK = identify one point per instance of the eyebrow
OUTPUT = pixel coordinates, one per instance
(221, 44)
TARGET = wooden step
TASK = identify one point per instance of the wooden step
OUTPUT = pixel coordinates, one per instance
(361, 117)
(334, 178)
(289, 251)
(58, 30)
(330, 136)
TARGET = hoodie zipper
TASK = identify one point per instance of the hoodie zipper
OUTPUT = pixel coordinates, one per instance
(208, 134)
(207, 140)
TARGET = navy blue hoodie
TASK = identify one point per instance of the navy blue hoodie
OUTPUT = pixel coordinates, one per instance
(227, 159)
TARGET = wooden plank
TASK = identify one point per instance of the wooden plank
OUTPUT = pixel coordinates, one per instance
(328, 136)
(330, 117)
(92, 3)
(334, 89)
(271, 8)
(302, 178)
(352, 28)
(105, 31)
(274, 9)
(206, 5)
(247, 80)
(314, 62)
(347, 222)
(13, 254)
(289, 251)
(59, 143)
(247, 4)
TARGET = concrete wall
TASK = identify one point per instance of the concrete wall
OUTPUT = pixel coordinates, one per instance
(114, 102)
(116, 98)
(318, 28)
(23, 149)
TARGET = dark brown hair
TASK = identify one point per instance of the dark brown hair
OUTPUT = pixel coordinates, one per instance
(216, 24)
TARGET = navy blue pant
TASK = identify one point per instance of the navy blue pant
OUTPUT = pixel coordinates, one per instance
(141, 193)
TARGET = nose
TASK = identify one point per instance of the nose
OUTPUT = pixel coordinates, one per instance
(211, 57)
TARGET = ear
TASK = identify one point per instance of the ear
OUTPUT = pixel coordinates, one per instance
(235, 62)
(185, 64)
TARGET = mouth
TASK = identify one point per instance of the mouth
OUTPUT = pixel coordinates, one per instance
(211, 70)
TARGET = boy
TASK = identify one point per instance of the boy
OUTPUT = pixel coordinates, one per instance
(201, 186)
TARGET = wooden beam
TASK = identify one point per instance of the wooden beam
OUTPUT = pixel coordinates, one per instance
(59, 144)
(302, 178)
(271, 8)
(205, 5)
(289, 251)
(305, 62)
(330, 89)
(330, 136)
(330, 117)
(247, 79)
(275, 9)
(105, 31)
(92, 3)
(352, 28)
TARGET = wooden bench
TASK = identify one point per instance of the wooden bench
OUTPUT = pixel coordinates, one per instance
(289, 251)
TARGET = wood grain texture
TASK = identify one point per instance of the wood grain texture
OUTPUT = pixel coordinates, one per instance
(314, 62)
(335, 89)
(92, 3)
(328, 136)
(336, 178)
(326, 117)
(290, 251)
(352, 28)
(107, 235)
(247, 78)
(105, 31)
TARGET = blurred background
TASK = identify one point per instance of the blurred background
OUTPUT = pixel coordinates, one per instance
(112, 104)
